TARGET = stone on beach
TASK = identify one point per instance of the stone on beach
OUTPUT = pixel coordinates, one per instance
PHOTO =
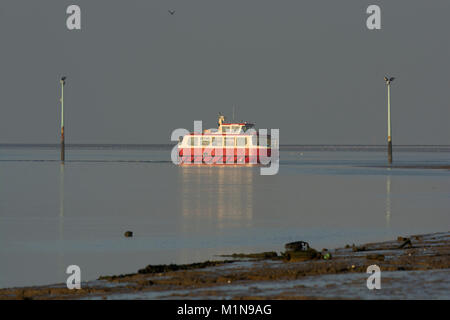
(128, 234)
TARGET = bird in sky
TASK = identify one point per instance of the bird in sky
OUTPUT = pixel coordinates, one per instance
(172, 12)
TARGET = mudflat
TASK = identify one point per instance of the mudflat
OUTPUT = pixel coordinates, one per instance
(412, 267)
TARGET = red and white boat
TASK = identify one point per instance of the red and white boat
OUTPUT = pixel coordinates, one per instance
(230, 144)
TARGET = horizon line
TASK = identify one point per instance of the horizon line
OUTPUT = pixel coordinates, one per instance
(172, 144)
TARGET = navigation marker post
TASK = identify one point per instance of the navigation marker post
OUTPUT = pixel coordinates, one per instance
(63, 82)
(388, 83)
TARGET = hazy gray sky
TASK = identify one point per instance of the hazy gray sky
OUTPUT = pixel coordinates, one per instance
(310, 68)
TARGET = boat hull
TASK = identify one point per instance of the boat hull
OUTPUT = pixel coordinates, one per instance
(223, 156)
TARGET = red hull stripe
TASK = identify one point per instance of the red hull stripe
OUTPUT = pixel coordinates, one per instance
(221, 155)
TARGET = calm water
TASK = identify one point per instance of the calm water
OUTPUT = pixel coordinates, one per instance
(54, 215)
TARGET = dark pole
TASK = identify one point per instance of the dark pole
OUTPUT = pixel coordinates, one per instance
(388, 83)
(63, 82)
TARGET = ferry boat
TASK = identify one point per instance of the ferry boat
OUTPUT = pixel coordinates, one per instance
(230, 144)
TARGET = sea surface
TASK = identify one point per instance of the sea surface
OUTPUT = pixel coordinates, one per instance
(53, 215)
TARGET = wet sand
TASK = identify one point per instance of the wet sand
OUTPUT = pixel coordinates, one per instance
(413, 267)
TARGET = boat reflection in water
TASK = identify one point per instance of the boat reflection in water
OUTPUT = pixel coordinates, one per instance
(216, 198)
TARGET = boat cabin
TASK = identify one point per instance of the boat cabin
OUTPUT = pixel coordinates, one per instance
(234, 128)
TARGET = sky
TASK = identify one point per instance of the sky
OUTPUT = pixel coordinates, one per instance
(311, 69)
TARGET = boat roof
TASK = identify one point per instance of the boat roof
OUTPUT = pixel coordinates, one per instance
(236, 123)
(222, 134)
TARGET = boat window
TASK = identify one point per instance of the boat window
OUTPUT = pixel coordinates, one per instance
(236, 129)
(229, 142)
(253, 140)
(217, 141)
(226, 129)
(194, 141)
(206, 141)
(264, 141)
(241, 141)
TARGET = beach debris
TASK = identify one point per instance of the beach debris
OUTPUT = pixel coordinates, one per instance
(299, 251)
(303, 255)
(378, 257)
(357, 249)
(297, 246)
(407, 242)
(128, 234)
(162, 268)
(325, 255)
(259, 255)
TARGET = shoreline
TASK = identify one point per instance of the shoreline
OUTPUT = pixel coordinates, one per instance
(409, 265)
